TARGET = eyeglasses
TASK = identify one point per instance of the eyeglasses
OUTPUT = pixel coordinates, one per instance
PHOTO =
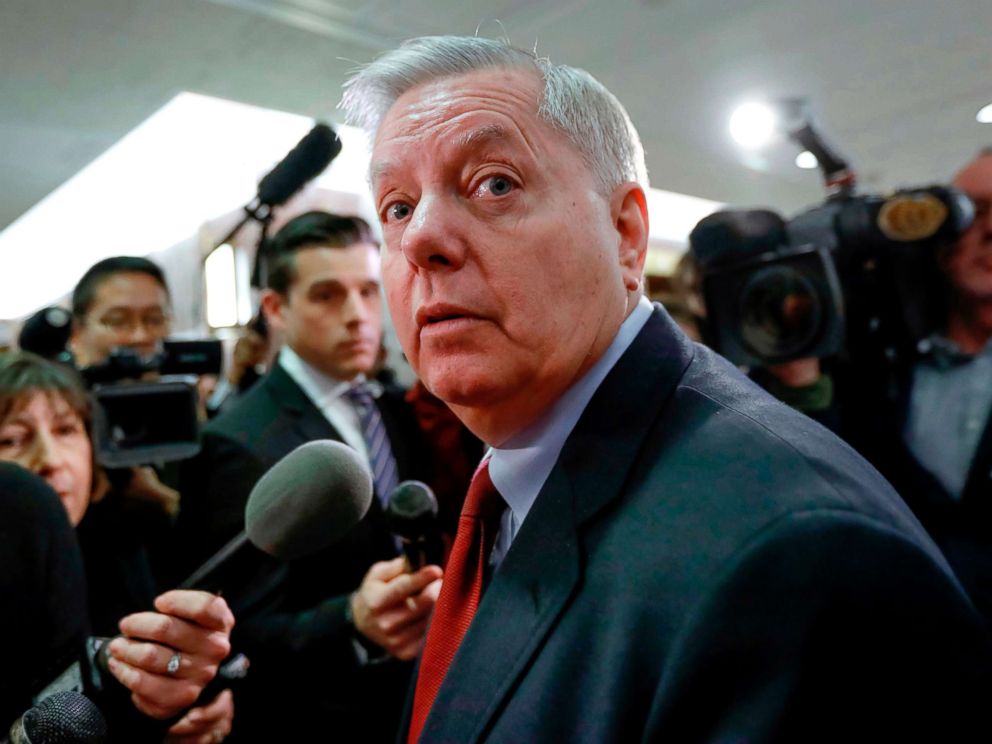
(152, 322)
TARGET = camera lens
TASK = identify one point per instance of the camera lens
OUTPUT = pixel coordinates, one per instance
(780, 313)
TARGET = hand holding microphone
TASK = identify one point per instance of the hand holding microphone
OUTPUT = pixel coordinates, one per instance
(166, 658)
(394, 603)
(305, 502)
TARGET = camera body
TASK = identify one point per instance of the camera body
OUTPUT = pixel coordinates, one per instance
(144, 411)
(856, 274)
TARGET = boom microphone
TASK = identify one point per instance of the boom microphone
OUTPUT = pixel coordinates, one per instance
(308, 500)
(64, 718)
(412, 517)
(304, 162)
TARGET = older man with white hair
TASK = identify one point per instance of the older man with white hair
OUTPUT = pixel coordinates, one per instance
(655, 550)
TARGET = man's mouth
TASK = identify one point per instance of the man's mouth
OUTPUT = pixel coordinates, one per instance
(433, 315)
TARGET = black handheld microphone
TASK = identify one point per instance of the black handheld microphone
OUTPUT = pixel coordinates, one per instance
(305, 502)
(64, 718)
(412, 517)
(303, 163)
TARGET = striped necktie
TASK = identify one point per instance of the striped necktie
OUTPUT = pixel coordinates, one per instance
(384, 472)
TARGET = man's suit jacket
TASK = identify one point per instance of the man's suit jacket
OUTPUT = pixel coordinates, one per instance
(704, 564)
(291, 619)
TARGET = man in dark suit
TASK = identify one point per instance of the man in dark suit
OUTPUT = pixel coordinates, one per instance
(326, 635)
(666, 553)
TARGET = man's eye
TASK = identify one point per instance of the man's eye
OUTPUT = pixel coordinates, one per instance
(496, 185)
(398, 211)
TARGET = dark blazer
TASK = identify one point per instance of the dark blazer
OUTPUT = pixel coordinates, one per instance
(291, 618)
(874, 421)
(704, 564)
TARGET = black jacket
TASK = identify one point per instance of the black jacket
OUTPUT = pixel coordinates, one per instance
(290, 618)
(705, 564)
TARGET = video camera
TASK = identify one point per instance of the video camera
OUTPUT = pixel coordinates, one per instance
(857, 274)
(138, 421)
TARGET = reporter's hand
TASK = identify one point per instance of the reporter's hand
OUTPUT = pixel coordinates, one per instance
(194, 624)
(391, 607)
(207, 724)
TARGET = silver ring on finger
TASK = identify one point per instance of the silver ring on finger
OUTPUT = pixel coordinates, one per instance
(174, 663)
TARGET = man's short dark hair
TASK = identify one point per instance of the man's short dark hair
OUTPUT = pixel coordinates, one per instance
(310, 230)
(86, 288)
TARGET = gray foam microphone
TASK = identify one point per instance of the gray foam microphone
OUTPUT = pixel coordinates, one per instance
(305, 502)
(308, 500)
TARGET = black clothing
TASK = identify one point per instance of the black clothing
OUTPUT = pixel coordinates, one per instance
(291, 619)
(43, 620)
(703, 564)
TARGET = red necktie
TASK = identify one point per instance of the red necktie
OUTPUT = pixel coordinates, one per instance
(460, 592)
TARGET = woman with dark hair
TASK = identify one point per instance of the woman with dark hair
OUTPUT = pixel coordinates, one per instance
(44, 427)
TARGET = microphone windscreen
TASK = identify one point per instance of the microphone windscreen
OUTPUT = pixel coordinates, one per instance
(46, 333)
(308, 500)
(304, 162)
(66, 717)
(412, 509)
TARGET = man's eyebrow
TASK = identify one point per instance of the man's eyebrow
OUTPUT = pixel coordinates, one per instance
(483, 135)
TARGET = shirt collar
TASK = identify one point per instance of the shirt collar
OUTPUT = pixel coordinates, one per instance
(943, 353)
(319, 387)
(520, 467)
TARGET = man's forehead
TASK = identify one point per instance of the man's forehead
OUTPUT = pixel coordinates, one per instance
(130, 288)
(457, 106)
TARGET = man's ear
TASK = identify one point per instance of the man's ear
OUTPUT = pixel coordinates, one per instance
(271, 303)
(629, 209)
(74, 343)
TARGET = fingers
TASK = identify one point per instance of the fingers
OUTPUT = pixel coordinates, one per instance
(193, 628)
(206, 723)
(199, 643)
(153, 694)
(202, 608)
(386, 570)
(393, 613)
(151, 657)
(402, 586)
(406, 645)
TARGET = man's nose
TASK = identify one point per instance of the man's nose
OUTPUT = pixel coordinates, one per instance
(432, 239)
(356, 308)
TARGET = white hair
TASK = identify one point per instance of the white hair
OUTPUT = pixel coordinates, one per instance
(573, 101)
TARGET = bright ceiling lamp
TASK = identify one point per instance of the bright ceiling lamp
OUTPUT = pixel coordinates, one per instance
(195, 158)
(752, 125)
(806, 160)
(984, 114)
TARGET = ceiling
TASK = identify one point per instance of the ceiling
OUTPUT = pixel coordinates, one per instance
(894, 84)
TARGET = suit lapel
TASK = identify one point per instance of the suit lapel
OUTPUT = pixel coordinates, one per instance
(540, 573)
(307, 420)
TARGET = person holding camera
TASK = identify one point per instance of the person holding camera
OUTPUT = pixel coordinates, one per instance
(172, 642)
(920, 411)
(124, 302)
(933, 438)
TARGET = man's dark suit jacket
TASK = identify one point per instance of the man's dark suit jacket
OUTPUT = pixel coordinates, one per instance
(290, 618)
(704, 564)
